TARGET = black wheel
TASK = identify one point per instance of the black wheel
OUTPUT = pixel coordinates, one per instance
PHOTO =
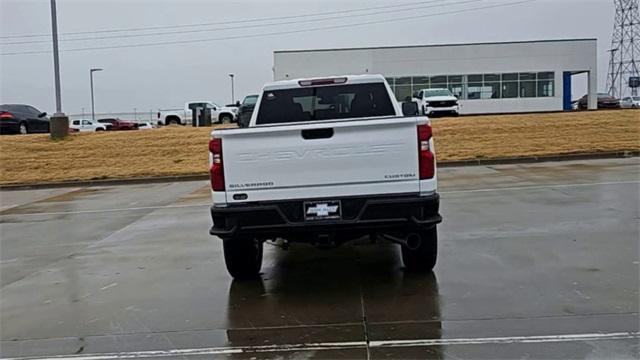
(172, 121)
(22, 128)
(225, 119)
(243, 257)
(99, 129)
(423, 257)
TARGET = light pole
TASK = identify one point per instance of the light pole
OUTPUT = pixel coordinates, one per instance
(59, 123)
(93, 109)
(232, 94)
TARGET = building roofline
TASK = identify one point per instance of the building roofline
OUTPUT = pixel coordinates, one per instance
(435, 45)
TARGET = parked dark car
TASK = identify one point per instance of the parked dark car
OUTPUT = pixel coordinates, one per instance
(22, 119)
(246, 109)
(605, 101)
(119, 124)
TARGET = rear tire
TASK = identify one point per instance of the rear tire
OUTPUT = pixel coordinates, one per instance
(422, 259)
(243, 257)
(22, 128)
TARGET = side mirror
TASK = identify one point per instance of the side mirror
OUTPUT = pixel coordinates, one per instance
(457, 96)
(238, 103)
(410, 108)
(42, 115)
(215, 108)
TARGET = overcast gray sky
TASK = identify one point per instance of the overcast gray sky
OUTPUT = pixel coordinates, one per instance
(148, 78)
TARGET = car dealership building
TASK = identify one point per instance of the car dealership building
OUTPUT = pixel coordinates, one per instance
(504, 77)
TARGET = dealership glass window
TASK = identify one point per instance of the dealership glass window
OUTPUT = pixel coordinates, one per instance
(438, 81)
(545, 84)
(455, 85)
(479, 86)
(509, 86)
(491, 86)
(390, 81)
(474, 87)
(402, 87)
(527, 85)
(419, 83)
(403, 80)
(402, 91)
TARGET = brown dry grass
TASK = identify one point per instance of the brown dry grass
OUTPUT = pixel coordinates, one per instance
(488, 137)
(183, 150)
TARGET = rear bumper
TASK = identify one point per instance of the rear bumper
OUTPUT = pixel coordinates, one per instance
(9, 127)
(360, 216)
(609, 105)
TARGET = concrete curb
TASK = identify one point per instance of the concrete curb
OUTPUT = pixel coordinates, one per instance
(105, 182)
(202, 177)
(535, 159)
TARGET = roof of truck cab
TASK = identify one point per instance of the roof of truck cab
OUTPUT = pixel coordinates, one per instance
(351, 79)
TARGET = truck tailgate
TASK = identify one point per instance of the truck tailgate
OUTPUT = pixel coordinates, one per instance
(321, 160)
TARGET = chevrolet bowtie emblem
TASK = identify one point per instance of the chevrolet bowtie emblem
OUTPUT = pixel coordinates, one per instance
(322, 209)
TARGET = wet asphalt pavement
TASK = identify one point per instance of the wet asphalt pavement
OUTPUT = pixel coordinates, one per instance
(535, 261)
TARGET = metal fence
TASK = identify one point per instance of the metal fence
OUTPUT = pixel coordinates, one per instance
(137, 116)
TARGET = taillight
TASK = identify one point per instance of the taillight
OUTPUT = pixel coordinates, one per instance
(158, 114)
(6, 115)
(426, 159)
(216, 170)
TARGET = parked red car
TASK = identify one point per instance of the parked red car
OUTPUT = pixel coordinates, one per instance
(119, 124)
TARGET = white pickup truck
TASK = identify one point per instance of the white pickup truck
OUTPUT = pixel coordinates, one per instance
(87, 126)
(325, 161)
(219, 114)
(437, 102)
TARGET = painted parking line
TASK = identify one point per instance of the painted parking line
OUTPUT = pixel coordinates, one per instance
(341, 346)
(515, 188)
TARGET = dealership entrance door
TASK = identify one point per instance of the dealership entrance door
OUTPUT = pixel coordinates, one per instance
(585, 79)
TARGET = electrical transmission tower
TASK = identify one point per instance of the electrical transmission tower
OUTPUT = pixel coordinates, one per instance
(624, 60)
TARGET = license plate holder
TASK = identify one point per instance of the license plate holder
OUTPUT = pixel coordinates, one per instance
(322, 210)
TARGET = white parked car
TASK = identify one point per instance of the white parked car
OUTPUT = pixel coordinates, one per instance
(144, 126)
(86, 126)
(437, 102)
(219, 114)
(325, 161)
(630, 102)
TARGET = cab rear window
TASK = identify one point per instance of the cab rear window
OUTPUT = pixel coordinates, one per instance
(324, 103)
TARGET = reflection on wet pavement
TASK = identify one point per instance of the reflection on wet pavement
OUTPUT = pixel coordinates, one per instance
(526, 265)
